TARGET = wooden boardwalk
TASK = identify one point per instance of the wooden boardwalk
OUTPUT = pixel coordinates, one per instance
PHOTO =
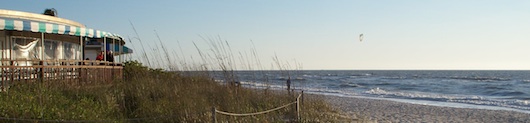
(71, 71)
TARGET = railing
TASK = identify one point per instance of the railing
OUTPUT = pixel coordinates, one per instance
(297, 102)
(82, 71)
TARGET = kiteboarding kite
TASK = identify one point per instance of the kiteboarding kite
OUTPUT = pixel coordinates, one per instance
(361, 37)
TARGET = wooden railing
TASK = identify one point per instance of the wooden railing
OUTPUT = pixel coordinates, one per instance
(75, 71)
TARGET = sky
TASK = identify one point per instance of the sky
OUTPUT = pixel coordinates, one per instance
(315, 34)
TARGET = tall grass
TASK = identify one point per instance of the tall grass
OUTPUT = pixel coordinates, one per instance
(147, 95)
(158, 95)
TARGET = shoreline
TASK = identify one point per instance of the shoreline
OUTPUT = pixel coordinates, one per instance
(393, 111)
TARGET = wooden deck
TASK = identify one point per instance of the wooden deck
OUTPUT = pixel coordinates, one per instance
(71, 71)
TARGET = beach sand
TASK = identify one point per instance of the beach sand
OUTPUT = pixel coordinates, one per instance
(384, 111)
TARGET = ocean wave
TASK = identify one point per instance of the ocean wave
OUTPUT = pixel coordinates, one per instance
(310, 76)
(254, 84)
(395, 78)
(494, 88)
(480, 79)
(509, 93)
(467, 99)
(299, 78)
(365, 74)
(349, 85)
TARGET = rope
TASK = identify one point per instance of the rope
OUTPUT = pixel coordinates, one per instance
(256, 113)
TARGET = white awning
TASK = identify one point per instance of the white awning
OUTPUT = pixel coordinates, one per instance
(35, 26)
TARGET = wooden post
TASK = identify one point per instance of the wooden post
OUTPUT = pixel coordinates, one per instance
(12, 71)
(41, 71)
(81, 49)
(214, 119)
(302, 97)
(298, 108)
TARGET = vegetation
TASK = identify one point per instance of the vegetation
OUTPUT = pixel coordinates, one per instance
(150, 95)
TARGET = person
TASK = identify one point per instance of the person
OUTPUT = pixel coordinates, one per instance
(85, 62)
(289, 84)
(100, 56)
(110, 57)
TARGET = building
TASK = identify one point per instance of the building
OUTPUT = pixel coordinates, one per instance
(43, 46)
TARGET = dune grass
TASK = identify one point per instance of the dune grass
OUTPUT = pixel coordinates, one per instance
(165, 93)
(150, 95)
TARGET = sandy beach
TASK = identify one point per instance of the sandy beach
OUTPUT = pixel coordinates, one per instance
(384, 111)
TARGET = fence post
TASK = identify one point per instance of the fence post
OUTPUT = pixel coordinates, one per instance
(41, 71)
(302, 97)
(298, 108)
(12, 71)
(214, 119)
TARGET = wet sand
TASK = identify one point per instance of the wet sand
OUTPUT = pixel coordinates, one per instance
(384, 111)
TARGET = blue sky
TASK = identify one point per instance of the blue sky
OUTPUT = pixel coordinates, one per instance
(398, 34)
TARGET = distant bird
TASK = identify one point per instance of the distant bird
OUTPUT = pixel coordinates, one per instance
(361, 37)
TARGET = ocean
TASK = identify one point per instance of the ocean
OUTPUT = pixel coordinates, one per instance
(496, 90)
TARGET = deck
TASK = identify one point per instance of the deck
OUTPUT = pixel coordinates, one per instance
(71, 71)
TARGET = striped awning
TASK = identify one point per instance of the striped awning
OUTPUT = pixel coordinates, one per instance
(119, 49)
(35, 26)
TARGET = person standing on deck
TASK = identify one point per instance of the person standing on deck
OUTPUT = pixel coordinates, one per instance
(110, 56)
(100, 56)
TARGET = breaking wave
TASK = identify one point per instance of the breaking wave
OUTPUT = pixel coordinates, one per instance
(476, 100)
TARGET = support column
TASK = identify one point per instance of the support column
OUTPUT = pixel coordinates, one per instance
(10, 44)
(81, 71)
(81, 48)
(104, 49)
(121, 51)
(42, 46)
(113, 49)
(4, 45)
(41, 62)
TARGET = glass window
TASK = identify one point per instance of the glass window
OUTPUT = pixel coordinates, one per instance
(61, 50)
(51, 49)
(70, 50)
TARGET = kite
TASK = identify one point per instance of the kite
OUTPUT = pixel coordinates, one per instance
(361, 37)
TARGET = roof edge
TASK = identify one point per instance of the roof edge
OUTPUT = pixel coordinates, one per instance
(37, 17)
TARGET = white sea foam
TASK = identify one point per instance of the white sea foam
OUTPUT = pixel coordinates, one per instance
(466, 99)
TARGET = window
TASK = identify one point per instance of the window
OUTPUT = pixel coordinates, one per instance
(71, 50)
(51, 49)
(61, 50)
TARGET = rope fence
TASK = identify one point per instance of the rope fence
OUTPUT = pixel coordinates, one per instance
(256, 113)
(297, 102)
